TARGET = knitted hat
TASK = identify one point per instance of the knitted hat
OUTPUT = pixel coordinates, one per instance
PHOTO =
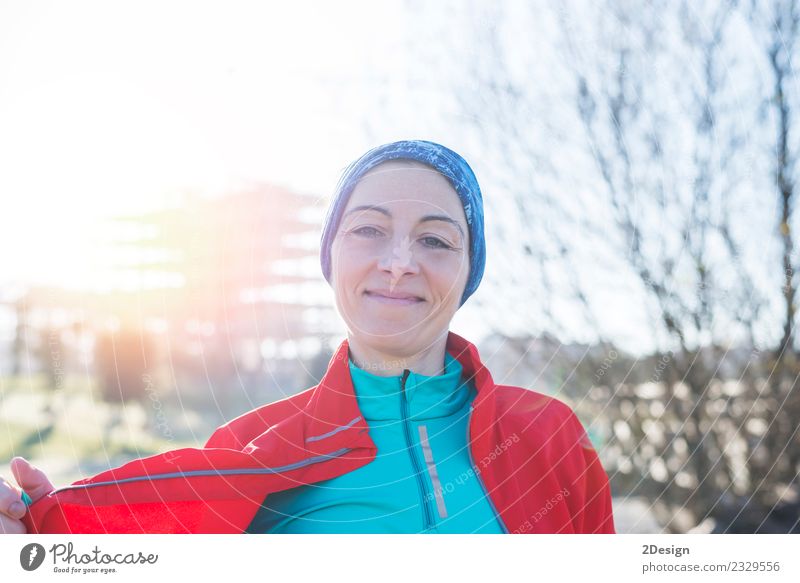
(442, 159)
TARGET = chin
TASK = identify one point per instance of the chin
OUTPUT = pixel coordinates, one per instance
(390, 334)
(389, 339)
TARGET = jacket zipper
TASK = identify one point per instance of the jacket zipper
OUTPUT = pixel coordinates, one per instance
(423, 491)
(201, 473)
(480, 480)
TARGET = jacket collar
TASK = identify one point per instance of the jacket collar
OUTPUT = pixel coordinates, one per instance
(333, 419)
(380, 398)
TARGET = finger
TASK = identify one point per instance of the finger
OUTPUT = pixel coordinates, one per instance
(11, 526)
(11, 500)
(30, 478)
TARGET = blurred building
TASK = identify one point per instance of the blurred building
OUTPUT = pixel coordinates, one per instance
(221, 296)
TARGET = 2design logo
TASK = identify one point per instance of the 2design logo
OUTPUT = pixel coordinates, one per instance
(31, 556)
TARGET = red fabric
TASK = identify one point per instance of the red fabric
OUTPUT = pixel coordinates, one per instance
(533, 455)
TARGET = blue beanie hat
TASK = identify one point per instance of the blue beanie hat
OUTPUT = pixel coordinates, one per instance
(442, 159)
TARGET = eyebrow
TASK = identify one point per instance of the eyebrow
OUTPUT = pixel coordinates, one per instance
(426, 218)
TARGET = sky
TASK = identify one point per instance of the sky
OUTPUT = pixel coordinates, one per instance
(109, 108)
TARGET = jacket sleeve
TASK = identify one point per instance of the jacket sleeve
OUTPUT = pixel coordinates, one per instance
(187, 490)
(596, 516)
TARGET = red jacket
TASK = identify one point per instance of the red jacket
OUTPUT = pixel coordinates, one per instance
(531, 452)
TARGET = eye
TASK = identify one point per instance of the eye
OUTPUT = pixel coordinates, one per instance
(435, 243)
(366, 231)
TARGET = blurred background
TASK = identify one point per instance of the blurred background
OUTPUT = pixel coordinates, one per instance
(165, 168)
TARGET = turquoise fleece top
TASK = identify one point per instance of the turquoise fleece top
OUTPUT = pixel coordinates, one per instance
(429, 487)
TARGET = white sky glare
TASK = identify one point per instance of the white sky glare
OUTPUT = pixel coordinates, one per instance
(111, 107)
(108, 108)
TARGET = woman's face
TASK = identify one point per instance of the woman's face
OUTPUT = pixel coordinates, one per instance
(400, 258)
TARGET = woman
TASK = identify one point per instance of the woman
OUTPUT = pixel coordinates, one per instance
(406, 431)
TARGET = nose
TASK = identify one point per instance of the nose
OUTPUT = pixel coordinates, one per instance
(399, 260)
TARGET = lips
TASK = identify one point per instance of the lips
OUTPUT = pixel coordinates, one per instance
(393, 297)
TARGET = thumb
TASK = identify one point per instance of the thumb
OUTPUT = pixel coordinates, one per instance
(30, 478)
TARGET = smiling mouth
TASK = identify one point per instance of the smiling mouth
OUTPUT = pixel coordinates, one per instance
(403, 301)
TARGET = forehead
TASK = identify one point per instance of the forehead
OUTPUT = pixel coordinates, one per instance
(407, 184)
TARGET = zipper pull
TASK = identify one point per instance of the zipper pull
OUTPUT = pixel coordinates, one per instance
(404, 378)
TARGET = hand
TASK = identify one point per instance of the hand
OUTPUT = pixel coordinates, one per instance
(12, 508)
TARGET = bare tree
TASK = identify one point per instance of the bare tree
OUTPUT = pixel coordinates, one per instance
(774, 26)
(647, 103)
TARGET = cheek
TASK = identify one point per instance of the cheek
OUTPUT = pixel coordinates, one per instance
(348, 263)
(353, 249)
(448, 278)
(454, 268)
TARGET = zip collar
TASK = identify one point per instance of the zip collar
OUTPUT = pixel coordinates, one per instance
(333, 419)
(380, 397)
